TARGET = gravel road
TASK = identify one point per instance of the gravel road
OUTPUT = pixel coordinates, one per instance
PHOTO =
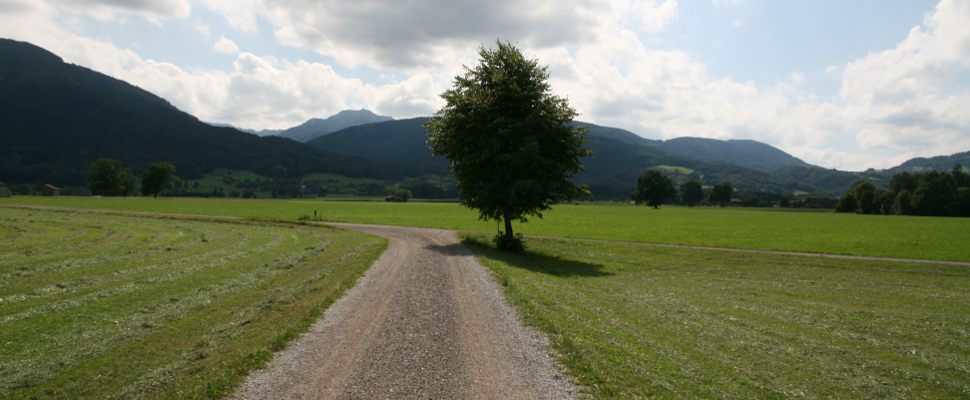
(426, 321)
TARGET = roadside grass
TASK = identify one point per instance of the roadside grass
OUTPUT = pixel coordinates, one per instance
(635, 321)
(106, 306)
(936, 238)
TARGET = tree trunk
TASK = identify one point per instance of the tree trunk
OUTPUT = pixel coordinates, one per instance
(508, 226)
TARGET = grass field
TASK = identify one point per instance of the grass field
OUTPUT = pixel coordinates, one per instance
(936, 238)
(99, 306)
(636, 321)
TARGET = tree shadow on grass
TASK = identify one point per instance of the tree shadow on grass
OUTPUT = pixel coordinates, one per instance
(537, 262)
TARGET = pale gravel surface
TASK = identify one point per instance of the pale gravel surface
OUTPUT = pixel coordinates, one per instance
(426, 321)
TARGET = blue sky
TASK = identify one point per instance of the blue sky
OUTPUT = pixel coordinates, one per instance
(766, 41)
(841, 84)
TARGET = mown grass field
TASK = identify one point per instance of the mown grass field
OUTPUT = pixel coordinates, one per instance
(102, 306)
(936, 238)
(633, 321)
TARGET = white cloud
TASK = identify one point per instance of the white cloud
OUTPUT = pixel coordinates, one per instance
(737, 23)
(224, 45)
(203, 29)
(656, 17)
(423, 33)
(901, 98)
(241, 15)
(153, 10)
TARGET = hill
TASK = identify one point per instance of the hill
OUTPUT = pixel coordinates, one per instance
(317, 127)
(57, 118)
(619, 157)
(939, 163)
(400, 142)
(743, 153)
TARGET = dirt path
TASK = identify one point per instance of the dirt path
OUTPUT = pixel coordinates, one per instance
(426, 321)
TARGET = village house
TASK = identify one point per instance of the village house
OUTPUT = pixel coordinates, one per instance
(47, 190)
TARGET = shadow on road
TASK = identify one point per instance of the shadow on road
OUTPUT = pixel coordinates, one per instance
(454, 249)
(537, 262)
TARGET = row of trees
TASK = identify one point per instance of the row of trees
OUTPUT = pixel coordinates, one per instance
(108, 177)
(654, 189)
(927, 193)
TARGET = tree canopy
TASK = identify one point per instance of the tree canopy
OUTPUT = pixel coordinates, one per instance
(107, 177)
(691, 192)
(927, 193)
(721, 193)
(508, 139)
(654, 189)
(157, 178)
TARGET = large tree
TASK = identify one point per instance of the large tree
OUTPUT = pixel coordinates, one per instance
(512, 148)
(865, 195)
(721, 193)
(158, 177)
(654, 189)
(107, 177)
(691, 192)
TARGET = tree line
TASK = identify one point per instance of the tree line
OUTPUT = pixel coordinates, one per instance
(927, 193)
(654, 189)
(108, 177)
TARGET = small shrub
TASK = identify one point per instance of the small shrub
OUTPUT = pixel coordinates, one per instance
(306, 217)
(513, 244)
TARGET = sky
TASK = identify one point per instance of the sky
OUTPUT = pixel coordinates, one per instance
(840, 84)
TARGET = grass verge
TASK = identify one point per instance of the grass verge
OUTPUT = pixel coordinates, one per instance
(108, 306)
(640, 322)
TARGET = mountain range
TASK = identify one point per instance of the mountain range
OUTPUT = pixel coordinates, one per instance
(317, 127)
(57, 118)
(619, 156)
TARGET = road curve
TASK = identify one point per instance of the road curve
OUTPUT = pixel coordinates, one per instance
(426, 321)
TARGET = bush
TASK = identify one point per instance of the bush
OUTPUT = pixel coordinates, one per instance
(847, 203)
(505, 243)
(402, 195)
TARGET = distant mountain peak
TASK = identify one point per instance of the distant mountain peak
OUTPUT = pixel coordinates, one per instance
(318, 127)
(742, 152)
(362, 111)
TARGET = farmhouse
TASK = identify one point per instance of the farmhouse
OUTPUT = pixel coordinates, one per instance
(48, 190)
(4, 190)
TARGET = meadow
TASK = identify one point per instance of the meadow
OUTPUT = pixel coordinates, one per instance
(109, 306)
(86, 295)
(934, 238)
(634, 321)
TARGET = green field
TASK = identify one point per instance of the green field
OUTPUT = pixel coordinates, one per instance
(635, 321)
(175, 304)
(936, 238)
(103, 306)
